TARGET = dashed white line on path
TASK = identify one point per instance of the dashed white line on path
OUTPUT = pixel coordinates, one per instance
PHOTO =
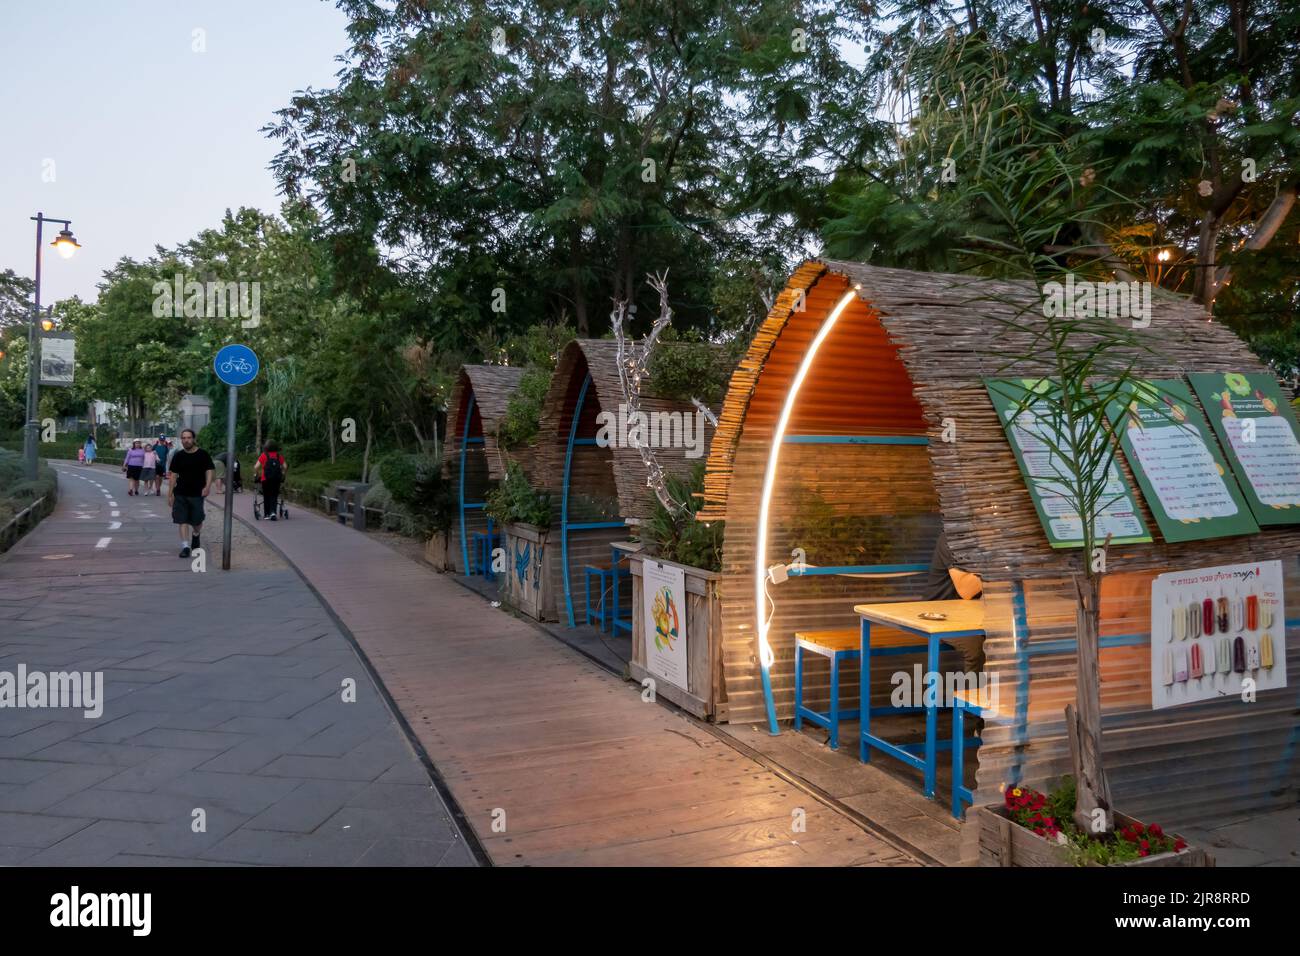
(117, 514)
(102, 543)
(114, 525)
(112, 504)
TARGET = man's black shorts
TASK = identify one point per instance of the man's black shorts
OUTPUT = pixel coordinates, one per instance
(187, 510)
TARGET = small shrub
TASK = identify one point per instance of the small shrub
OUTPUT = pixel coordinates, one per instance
(515, 501)
(523, 414)
(314, 449)
(683, 538)
(378, 497)
(398, 473)
(685, 369)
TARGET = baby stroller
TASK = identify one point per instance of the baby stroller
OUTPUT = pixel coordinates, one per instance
(259, 503)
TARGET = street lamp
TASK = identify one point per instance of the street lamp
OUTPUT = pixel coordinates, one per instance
(67, 245)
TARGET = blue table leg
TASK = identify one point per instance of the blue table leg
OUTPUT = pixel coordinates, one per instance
(864, 691)
(587, 577)
(835, 702)
(798, 685)
(931, 716)
(613, 627)
(958, 757)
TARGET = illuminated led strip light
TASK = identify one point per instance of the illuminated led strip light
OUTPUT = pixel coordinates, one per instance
(765, 655)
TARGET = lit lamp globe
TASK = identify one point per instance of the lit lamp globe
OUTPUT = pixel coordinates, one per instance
(66, 243)
(47, 324)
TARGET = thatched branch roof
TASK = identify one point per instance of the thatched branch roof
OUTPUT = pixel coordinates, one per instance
(491, 386)
(600, 358)
(910, 352)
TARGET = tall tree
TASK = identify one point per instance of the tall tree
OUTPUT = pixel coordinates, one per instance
(556, 151)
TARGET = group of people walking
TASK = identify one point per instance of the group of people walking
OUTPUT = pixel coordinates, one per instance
(147, 463)
(191, 474)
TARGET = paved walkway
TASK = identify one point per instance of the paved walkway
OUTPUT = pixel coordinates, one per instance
(222, 695)
(554, 760)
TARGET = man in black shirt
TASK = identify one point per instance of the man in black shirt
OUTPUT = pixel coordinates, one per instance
(947, 582)
(190, 472)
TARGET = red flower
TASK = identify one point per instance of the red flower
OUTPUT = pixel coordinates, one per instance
(1143, 853)
(1145, 845)
(1155, 830)
(1179, 845)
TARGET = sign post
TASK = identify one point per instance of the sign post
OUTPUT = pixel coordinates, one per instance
(235, 365)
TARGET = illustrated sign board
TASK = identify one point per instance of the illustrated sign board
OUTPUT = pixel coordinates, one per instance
(1217, 632)
(1167, 442)
(58, 358)
(1035, 438)
(663, 594)
(1257, 428)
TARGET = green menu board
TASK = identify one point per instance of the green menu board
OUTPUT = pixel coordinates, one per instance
(1033, 434)
(1167, 443)
(1257, 428)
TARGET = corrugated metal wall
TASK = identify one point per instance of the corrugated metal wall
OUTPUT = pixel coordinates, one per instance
(1180, 765)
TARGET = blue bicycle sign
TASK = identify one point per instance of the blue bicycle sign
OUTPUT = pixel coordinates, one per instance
(236, 365)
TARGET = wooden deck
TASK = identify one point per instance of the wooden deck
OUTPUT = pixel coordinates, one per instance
(584, 770)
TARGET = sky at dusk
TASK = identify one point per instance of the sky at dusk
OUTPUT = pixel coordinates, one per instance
(146, 141)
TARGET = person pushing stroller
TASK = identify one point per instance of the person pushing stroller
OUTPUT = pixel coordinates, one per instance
(270, 471)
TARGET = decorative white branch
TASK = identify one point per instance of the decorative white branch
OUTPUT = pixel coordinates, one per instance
(633, 370)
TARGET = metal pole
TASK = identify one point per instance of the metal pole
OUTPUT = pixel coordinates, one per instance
(32, 431)
(228, 517)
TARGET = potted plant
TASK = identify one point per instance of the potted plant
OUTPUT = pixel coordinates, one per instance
(677, 538)
(525, 514)
(1031, 828)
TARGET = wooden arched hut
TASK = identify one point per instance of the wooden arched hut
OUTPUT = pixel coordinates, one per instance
(473, 460)
(861, 373)
(601, 488)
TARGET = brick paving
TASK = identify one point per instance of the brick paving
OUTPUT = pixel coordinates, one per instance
(554, 760)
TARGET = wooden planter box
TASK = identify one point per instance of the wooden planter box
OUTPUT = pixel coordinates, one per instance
(1004, 843)
(530, 568)
(703, 625)
(438, 551)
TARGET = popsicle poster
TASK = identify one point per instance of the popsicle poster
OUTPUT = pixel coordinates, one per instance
(1217, 633)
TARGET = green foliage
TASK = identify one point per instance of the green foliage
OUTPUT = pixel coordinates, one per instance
(543, 183)
(538, 346)
(417, 486)
(313, 449)
(832, 537)
(310, 480)
(538, 349)
(397, 472)
(682, 538)
(685, 369)
(519, 424)
(16, 491)
(516, 501)
(1051, 816)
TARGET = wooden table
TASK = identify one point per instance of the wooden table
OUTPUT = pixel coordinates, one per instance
(964, 619)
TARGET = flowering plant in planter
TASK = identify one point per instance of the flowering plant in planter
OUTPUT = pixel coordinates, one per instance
(1031, 810)
(1051, 816)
